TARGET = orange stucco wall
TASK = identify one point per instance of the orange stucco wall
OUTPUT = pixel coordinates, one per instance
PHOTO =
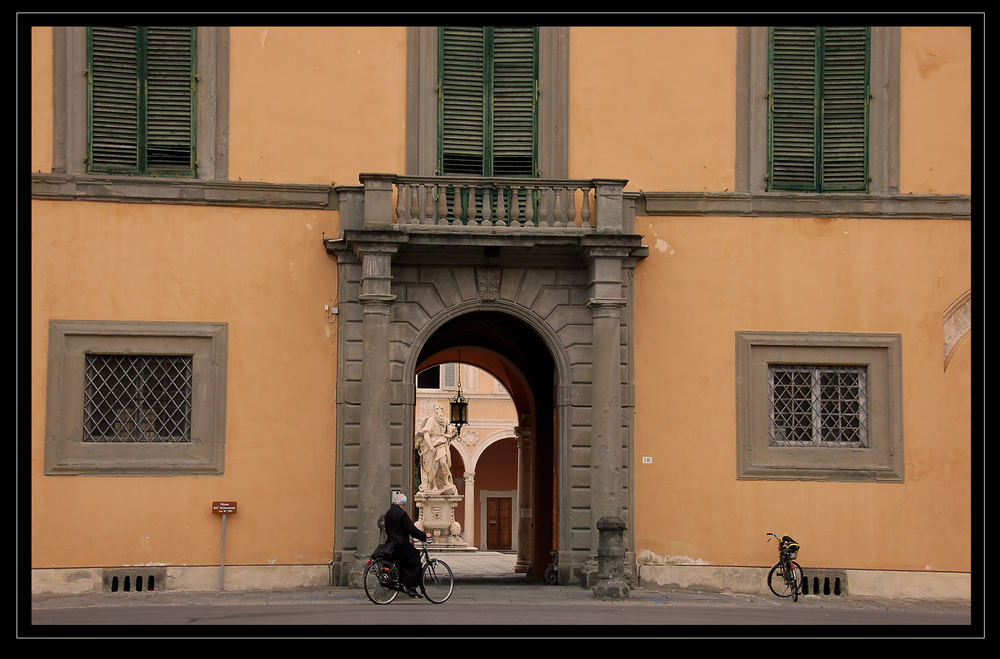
(640, 110)
(265, 273)
(41, 99)
(935, 143)
(316, 105)
(708, 278)
(320, 105)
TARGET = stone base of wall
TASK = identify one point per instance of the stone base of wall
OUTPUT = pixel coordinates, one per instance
(892, 584)
(182, 578)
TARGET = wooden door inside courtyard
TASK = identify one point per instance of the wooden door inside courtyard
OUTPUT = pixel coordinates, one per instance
(499, 514)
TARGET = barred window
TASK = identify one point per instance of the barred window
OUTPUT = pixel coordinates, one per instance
(801, 396)
(818, 405)
(137, 398)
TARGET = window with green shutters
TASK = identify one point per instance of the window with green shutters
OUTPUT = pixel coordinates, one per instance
(487, 93)
(818, 107)
(141, 100)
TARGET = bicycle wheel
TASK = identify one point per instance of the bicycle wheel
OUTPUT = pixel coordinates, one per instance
(437, 580)
(794, 580)
(782, 586)
(375, 580)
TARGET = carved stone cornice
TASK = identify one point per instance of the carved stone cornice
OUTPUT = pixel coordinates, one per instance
(797, 204)
(151, 190)
(129, 189)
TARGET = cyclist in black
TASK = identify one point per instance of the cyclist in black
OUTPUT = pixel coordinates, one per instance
(399, 527)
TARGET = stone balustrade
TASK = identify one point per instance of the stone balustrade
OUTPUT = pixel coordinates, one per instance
(595, 205)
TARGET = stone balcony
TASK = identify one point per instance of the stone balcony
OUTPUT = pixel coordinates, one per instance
(491, 205)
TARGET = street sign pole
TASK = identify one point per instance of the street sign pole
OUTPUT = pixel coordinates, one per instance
(223, 508)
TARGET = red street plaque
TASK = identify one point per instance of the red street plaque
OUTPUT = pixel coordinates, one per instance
(224, 507)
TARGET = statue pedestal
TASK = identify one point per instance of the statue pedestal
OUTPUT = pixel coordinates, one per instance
(437, 518)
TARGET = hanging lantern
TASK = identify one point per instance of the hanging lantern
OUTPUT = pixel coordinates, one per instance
(459, 405)
(459, 411)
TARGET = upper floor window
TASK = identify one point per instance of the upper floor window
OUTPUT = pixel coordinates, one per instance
(141, 107)
(818, 109)
(550, 100)
(488, 90)
(443, 376)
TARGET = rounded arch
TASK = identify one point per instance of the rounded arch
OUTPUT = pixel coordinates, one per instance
(516, 312)
(485, 442)
(496, 482)
(492, 362)
(525, 354)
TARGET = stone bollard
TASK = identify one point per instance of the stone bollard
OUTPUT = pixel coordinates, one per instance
(611, 559)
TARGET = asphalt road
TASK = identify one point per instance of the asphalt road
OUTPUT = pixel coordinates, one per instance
(501, 610)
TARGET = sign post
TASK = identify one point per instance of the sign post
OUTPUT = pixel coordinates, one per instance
(223, 508)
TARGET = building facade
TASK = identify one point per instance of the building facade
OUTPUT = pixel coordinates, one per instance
(724, 299)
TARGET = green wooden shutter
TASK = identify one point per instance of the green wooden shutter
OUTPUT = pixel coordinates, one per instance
(792, 99)
(141, 100)
(515, 66)
(462, 115)
(170, 102)
(818, 109)
(113, 99)
(844, 163)
(488, 90)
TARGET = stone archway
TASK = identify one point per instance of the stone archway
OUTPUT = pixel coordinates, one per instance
(498, 341)
(556, 308)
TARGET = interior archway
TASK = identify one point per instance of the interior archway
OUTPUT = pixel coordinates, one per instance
(496, 496)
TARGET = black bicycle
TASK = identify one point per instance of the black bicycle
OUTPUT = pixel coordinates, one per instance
(382, 582)
(785, 577)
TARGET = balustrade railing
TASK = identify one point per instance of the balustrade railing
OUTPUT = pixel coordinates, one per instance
(494, 202)
(527, 203)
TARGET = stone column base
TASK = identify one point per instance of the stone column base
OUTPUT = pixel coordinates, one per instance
(611, 589)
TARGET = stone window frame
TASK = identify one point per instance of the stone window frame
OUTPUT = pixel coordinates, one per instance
(69, 150)
(752, 45)
(881, 460)
(70, 340)
(422, 101)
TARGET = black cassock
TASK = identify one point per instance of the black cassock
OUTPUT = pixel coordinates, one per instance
(399, 527)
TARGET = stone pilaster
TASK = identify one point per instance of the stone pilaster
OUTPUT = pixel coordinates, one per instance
(524, 499)
(606, 459)
(373, 478)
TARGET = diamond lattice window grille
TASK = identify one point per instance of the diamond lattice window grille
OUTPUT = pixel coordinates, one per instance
(137, 398)
(818, 405)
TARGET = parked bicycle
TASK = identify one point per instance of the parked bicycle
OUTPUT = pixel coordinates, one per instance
(785, 577)
(552, 569)
(382, 582)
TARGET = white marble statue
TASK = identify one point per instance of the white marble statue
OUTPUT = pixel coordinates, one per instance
(432, 440)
